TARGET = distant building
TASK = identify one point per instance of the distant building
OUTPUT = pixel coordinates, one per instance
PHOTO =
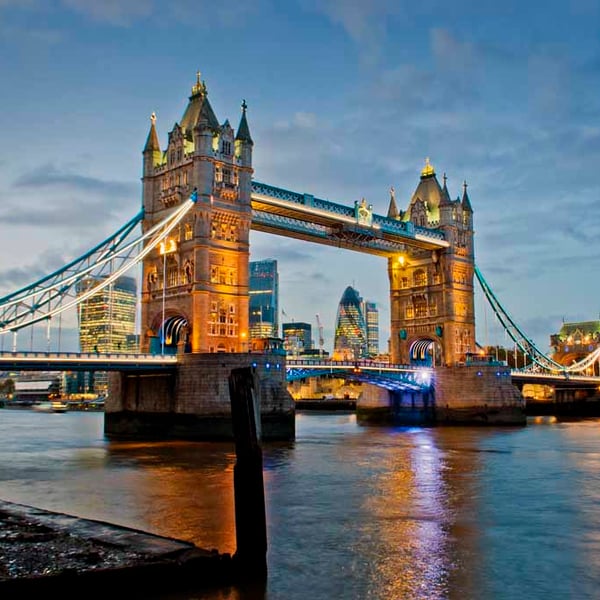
(263, 290)
(107, 318)
(297, 338)
(575, 341)
(372, 322)
(107, 323)
(350, 341)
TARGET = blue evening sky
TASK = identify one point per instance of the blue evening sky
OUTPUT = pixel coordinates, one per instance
(346, 98)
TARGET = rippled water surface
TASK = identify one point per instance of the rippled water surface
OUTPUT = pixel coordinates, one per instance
(353, 512)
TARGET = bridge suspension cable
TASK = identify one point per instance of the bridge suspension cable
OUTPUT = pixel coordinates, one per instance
(525, 344)
(102, 265)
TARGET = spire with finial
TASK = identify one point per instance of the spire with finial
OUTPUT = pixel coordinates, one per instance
(243, 131)
(428, 169)
(393, 209)
(445, 198)
(152, 143)
(466, 203)
(199, 87)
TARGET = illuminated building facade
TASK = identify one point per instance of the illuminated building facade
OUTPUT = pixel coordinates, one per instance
(297, 338)
(107, 318)
(574, 342)
(350, 341)
(263, 290)
(195, 285)
(106, 324)
(372, 322)
(431, 292)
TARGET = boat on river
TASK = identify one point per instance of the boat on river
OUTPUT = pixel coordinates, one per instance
(55, 406)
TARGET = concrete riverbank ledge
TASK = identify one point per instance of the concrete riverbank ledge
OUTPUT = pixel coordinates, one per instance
(62, 556)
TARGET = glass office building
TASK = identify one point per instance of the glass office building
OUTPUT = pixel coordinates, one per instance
(297, 338)
(106, 324)
(372, 321)
(350, 341)
(263, 290)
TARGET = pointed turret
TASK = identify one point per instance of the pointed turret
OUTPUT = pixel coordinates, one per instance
(198, 111)
(445, 197)
(429, 192)
(466, 203)
(393, 209)
(152, 143)
(243, 132)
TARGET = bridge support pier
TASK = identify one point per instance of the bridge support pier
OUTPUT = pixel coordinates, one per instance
(193, 403)
(478, 394)
(472, 394)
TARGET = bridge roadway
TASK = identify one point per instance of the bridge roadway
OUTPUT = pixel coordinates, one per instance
(379, 373)
(81, 361)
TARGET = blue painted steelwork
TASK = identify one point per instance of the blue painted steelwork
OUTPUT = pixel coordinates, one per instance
(103, 264)
(525, 344)
(391, 377)
(374, 233)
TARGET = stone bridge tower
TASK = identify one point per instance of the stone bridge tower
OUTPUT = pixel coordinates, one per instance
(431, 292)
(195, 285)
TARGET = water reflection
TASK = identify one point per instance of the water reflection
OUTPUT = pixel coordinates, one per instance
(352, 512)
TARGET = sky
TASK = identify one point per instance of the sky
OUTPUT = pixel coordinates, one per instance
(346, 98)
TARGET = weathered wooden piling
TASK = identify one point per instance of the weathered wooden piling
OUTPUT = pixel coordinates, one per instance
(250, 516)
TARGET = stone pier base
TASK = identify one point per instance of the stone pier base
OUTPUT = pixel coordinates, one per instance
(193, 402)
(477, 394)
(472, 394)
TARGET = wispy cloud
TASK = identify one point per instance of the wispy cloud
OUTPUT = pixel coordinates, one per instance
(114, 12)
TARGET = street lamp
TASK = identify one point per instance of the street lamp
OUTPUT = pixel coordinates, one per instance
(166, 246)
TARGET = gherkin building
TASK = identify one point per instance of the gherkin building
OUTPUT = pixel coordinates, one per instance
(350, 340)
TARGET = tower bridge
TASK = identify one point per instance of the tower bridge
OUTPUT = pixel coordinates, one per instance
(200, 202)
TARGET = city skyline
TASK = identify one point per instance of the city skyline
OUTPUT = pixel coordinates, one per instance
(344, 102)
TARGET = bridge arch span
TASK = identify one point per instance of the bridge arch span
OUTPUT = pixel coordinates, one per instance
(169, 332)
(425, 351)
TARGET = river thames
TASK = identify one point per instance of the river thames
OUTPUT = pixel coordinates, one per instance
(353, 512)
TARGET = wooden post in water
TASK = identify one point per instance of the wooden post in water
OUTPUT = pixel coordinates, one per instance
(249, 493)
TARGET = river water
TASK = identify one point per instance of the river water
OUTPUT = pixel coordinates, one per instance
(353, 512)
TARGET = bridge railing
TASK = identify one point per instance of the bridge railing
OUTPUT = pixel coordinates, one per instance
(89, 356)
(345, 364)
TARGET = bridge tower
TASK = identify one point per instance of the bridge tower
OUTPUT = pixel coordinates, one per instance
(195, 285)
(431, 292)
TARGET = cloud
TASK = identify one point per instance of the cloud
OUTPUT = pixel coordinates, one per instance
(114, 12)
(72, 200)
(364, 22)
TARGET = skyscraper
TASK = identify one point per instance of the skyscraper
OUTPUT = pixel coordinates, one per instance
(107, 318)
(350, 340)
(107, 324)
(297, 337)
(372, 321)
(263, 292)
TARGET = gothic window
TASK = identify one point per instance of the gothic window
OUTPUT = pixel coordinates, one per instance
(226, 148)
(420, 304)
(214, 275)
(404, 282)
(172, 275)
(432, 308)
(409, 311)
(185, 178)
(213, 230)
(226, 176)
(437, 277)
(420, 278)
(188, 233)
